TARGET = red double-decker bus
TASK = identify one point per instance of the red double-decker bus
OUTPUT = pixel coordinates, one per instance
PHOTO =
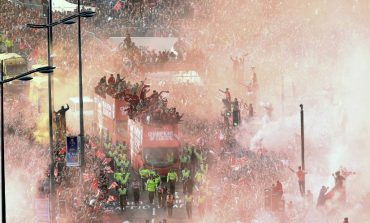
(110, 118)
(154, 145)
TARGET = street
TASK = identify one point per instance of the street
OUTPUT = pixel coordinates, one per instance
(152, 212)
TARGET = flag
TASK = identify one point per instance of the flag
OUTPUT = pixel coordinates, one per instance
(94, 184)
(111, 198)
(117, 6)
(63, 151)
(113, 185)
(99, 154)
(106, 161)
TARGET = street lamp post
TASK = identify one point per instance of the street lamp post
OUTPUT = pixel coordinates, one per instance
(50, 113)
(49, 26)
(3, 202)
(82, 132)
(302, 142)
(85, 14)
(23, 77)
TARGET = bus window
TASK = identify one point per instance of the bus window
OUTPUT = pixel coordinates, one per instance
(122, 127)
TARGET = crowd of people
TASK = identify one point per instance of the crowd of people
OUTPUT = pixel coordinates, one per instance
(233, 170)
(141, 60)
(144, 18)
(151, 109)
(212, 179)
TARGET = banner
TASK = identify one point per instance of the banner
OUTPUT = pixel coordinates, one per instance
(73, 156)
(160, 136)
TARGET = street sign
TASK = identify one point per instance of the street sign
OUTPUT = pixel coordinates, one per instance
(72, 156)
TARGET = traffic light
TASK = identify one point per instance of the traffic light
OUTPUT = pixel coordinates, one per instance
(236, 118)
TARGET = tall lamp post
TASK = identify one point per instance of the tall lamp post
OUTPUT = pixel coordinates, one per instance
(22, 77)
(80, 93)
(66, 21)
(302, 142)
(87, 14)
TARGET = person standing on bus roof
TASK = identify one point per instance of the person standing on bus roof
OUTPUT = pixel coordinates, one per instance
(111, 80)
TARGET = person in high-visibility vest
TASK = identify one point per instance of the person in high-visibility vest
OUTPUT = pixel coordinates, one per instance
(126, 164)
(199, 155)
(9, 45)
(107, 145)
(184, 159)
(204, 167)
(110, 154)
(199, 177)
(117, 163)
(157, 179)
(151, 187)
(185, 177)
(144, 175)
(122, 197)
(172, 179)
(118, 176)
(124, 180)
(152, 173)
(189, 204)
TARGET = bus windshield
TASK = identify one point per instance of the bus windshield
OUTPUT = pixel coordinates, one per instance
(160, 157)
